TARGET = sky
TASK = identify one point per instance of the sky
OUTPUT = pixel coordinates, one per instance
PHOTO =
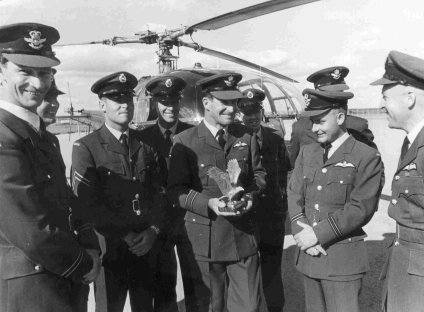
(296, 42)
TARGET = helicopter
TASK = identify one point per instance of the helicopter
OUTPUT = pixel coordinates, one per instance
(283, 100)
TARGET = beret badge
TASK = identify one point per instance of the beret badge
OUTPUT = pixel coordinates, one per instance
(168, 83)
(250, 95)
(122, 78)
(336, 74)
(307, 99)
(35, 41)
(230, 81)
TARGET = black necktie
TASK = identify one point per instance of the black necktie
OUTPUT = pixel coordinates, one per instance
(220, 137)
(405, 147)
(124, 141)
(326, 150)
(168, 140)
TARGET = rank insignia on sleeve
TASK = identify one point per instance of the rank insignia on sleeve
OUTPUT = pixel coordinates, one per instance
(344, 164)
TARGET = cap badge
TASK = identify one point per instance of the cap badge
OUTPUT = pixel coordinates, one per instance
(35, 41)
(168, 83)
(122, 78)
(307, 99)
(250, 95)
(230, 81)
(336, 74)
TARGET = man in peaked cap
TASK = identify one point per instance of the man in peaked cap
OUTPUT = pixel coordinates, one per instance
(403, 102)
(48, 109)
(333, 192)
(166, 93)
(272, 206)
(328, 79)
(40, 257)
(116, 184)
(223, 241)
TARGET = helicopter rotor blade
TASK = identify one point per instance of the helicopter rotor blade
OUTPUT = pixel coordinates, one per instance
(234, 59)
(117, 40)
(246, 13)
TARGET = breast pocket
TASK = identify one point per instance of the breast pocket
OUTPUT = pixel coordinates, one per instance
(412, 189)
(339, 184)
(204, 163)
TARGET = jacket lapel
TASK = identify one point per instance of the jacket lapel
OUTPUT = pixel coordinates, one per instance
(133, 143)
(113, 144)
(207, 136)
(339, 154)
(19, 126)
(411, 154)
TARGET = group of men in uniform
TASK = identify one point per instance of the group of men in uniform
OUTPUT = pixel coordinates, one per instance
(215, 192)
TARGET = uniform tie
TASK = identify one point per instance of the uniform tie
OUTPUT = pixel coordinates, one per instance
(124, 141)
(168, 140)
(220, 138)
(326, 150)
(405, 147)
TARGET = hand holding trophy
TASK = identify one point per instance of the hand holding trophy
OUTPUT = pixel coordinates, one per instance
(227, 183)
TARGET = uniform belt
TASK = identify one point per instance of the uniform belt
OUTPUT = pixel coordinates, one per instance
(411, 235)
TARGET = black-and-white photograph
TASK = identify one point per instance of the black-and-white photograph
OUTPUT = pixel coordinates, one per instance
(211, 156)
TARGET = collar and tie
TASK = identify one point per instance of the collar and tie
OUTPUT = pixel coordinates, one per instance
(220, 138)
(327, 148)
(123, 139)
(405, 147)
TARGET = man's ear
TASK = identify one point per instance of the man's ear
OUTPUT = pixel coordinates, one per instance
(341, 117)
(411, 99)
(206, 102)
(102, 105)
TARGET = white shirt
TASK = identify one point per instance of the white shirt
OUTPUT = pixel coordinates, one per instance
(337, 143)
(412, 135)
(116, 133)
(22, 113)
(214, 130)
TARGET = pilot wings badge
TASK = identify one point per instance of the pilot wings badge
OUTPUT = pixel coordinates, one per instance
(227, 183)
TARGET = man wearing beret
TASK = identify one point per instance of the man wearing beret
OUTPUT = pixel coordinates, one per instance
(223, 240)
(333, 192)
(116, 186)
(328, 79)
(43, 264)
(48, 109)
(403, 102)
(165, 92)
(272, 205)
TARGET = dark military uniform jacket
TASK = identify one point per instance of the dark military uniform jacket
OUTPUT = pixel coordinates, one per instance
(302, 133)
(337, 198)
(215, 238)
(35, 235)
(273, 201)
(116, 190)
(407, 209)
(155, 138)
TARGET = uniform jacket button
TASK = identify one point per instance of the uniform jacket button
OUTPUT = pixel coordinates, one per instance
(324, 170)
(406, 191)
(49, 177)
(316, 206)
(319, 187)
(37, 267)
(134, 178)
(349, 239)
(394, 201)
(397, 177)
(341, 181)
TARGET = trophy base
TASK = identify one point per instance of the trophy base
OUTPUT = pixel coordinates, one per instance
(233, 206)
